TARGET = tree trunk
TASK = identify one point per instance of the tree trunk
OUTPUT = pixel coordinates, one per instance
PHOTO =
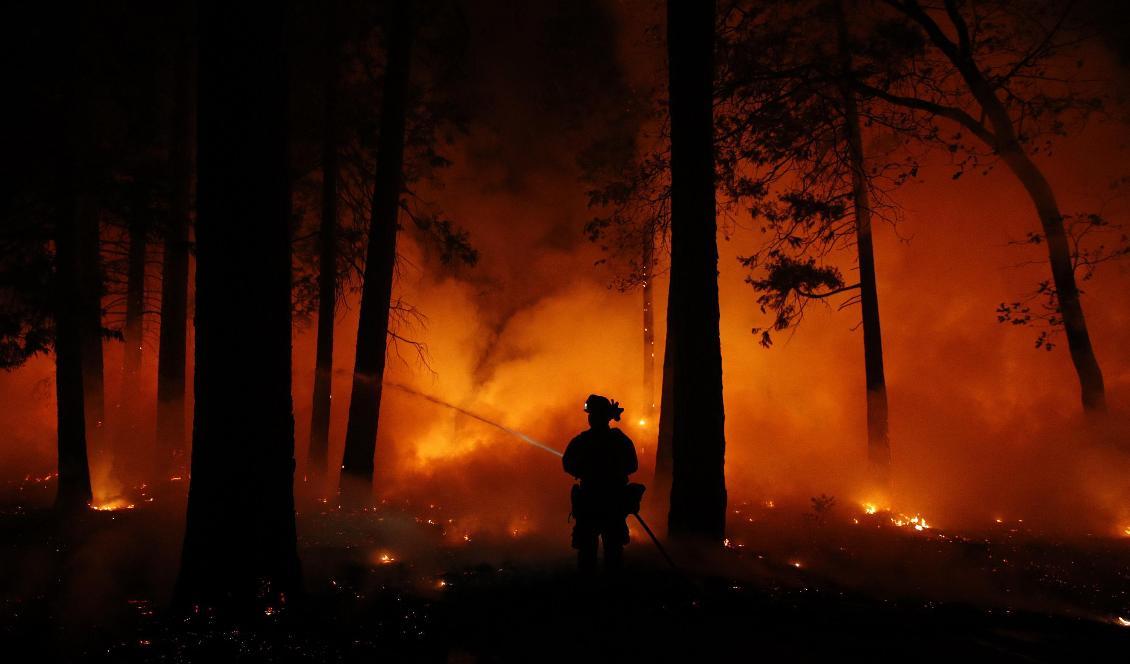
(73, 492)
(1006, 142)
(327, 266)
(878, 437)
(698, 488)
(661, 484)
(130, 390)
(648, 330)
(380, 260)
(90, 315)
(171, 354)
(1092, 389)
(240, 550)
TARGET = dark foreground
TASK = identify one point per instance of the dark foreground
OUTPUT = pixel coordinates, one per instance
(393, 585)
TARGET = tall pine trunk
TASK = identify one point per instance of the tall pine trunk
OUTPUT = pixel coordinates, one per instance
(73, 492)
(173, 334)
(698, 488)
(130, 389)
(380, 261)
(327, 264)
(648, 329)
(90, 313)
(878, 436)
(661, 484)
(240, 549)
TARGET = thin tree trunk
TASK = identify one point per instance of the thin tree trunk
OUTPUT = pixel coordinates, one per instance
(327, 265)
(90, 316)
(698, 488)
(172, 344)
(878, 437)
(661, 484)
(1092, 388)
(130, 388)
(648, 330)
(380, 261)
(1006, 142)
(240, 549)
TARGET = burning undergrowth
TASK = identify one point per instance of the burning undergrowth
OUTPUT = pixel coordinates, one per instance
(412, 576)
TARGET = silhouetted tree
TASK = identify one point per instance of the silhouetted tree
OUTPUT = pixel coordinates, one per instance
(1006, 73)
(45, 141)
(327, 254)
(74, 491)
(173, 333)
(240, 542)
(380, 263)
(698, 488)
(792, 151)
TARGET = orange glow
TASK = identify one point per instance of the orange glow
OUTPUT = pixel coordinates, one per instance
(112, 505)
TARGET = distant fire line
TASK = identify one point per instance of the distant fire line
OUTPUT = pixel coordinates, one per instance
(441, 402)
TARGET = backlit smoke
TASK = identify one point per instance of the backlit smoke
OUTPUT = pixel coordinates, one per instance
(440, 402)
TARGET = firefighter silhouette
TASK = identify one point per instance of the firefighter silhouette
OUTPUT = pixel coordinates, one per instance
(602, 458)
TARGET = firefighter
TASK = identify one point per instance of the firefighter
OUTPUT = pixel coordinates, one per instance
(602, 458)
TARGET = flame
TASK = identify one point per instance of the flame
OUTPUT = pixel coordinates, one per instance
(1122, 622)
(898, 519)
(385, 558)
(112, 505)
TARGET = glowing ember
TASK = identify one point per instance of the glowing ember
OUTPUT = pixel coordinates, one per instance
(386, 558)
(112, 505)
(915, 521)
(1126, 531)
(795, 563)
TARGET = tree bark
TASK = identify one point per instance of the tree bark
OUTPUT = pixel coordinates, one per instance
(648, 329)
(73, 492)
(240, 550)
(698, 488)
(172, 344)
(380, 261)
(130, 389)
(878, 436)
(90, 313)
(661, 484)
(327, 265)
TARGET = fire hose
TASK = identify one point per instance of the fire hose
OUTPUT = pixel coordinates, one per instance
(535, 443)
(655, 541)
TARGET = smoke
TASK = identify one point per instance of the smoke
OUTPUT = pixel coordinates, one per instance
(983, 426)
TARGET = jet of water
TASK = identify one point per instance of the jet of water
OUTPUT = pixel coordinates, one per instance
(440, 402)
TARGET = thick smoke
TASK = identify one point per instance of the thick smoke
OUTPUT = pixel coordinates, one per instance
(983, 426)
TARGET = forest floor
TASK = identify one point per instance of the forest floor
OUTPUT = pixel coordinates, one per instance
(408, 583)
